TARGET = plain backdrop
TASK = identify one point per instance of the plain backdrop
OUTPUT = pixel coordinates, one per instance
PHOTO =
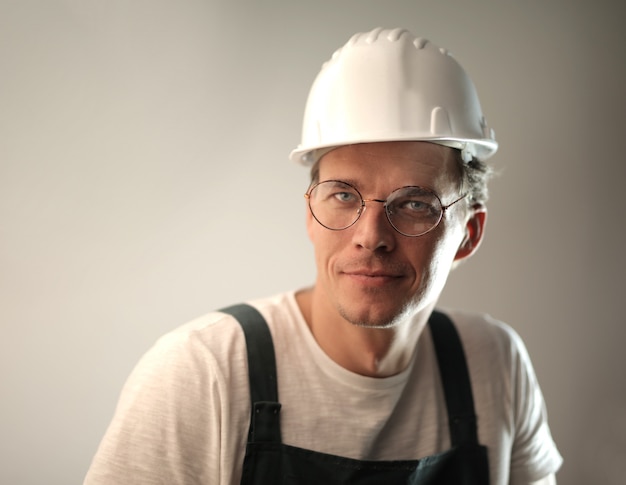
(144, 181)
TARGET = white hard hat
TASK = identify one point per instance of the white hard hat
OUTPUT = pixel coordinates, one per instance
(388, 85)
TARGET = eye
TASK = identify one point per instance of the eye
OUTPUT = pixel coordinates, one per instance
(345, 197)
(415, 205)
(336, 194)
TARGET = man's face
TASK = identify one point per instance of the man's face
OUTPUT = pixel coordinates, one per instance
(369, 273)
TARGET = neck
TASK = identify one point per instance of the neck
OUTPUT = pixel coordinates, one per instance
(372, 352)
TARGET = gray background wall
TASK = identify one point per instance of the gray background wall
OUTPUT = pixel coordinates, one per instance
(144, 181)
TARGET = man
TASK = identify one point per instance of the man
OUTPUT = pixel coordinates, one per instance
(359, 379)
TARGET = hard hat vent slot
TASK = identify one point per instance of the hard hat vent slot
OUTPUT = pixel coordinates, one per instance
(439, 121)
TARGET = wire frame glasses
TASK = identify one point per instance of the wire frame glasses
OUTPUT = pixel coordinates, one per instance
(412, 211)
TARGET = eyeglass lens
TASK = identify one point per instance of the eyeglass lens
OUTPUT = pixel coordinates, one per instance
(412, 211)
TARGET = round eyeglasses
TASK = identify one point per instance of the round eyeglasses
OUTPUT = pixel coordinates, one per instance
(412, 211)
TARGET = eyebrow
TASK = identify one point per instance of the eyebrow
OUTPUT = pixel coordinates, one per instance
(352, 182)
(355, 184)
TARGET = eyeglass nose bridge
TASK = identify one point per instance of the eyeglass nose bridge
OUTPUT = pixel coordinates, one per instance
(380, 201)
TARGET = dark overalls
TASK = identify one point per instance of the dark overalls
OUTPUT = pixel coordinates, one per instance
(270, 462)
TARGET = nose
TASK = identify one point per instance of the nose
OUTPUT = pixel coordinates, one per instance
(373, 231)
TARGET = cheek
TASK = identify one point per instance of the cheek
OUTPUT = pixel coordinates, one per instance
(434, 260)
(326, 243)
(309, 224)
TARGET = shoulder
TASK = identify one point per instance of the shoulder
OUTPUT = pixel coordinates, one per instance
(214, 341)
(481, 333)
(496, 355)
(496, 361)
(189, 367)
(218, 332)
(508, 397)
(185, 408)
(210, 336)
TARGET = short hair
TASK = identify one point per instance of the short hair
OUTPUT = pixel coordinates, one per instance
(475, 176)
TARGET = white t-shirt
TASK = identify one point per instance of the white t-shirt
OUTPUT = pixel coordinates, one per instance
(184, 412)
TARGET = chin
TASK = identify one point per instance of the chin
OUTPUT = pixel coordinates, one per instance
(375, 317)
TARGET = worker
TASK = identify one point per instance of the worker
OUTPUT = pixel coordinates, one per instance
(359, 378)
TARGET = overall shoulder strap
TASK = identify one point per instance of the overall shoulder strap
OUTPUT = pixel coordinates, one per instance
(265, 420)
(455, 380)
(260, 347)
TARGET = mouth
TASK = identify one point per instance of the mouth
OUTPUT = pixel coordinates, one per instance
(369, 277)
(372, 274)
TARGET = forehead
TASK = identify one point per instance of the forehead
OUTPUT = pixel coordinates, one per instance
(390, 165)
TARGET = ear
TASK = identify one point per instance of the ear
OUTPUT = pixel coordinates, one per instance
(474, 230)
